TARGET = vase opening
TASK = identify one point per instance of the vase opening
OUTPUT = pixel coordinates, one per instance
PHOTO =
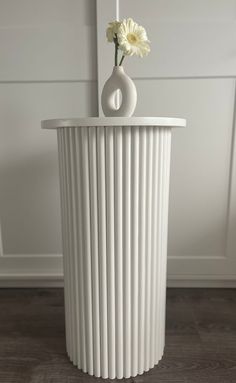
(115, 100)
(118, 99)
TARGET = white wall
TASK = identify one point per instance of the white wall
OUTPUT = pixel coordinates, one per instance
(48, 69)
(190, 73)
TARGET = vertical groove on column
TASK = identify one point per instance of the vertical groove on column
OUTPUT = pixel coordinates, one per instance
(64, 235)
(87, 247)
(73, 199)
(134, 248)
(127, 249)
(142, 248)
(154, 274)
(70, 249)
(148, 246)
(118, 252)
(102, 248)
(160, 255)
(166, 177)
(163, 256)
(110, 251)
(66, 255)
(81, 250)
(94, 248)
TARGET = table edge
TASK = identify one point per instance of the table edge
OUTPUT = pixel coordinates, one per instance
(114, 121)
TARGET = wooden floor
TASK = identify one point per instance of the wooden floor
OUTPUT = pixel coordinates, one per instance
(200, 338)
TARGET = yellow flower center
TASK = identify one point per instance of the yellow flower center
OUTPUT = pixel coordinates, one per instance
(132, 38)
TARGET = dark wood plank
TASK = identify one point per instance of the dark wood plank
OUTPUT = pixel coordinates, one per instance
(200, 338)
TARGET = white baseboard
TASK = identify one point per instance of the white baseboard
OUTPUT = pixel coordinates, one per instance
(199, 282)
(46, 270)
(31, 270)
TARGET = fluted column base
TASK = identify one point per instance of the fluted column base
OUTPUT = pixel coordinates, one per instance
(114, 201)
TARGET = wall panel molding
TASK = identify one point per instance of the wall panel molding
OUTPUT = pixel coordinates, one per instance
(47, 40)
(188, 38)
(231, 210)
(107, 11)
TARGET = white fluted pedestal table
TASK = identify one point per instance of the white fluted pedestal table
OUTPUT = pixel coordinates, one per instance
(114, 181)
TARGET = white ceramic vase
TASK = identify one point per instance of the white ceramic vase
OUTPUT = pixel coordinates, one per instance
(119, 80)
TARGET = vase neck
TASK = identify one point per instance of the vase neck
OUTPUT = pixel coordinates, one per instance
(118, 69)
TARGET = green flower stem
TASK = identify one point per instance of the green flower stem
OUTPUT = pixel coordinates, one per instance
(116, 50)
(122, 59)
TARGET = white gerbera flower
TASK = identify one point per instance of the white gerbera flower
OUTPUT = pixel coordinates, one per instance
(112, 30)
(132, 39)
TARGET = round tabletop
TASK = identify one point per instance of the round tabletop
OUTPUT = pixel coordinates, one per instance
(114, 121)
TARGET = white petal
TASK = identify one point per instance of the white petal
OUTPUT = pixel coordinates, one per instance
(138, 45)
